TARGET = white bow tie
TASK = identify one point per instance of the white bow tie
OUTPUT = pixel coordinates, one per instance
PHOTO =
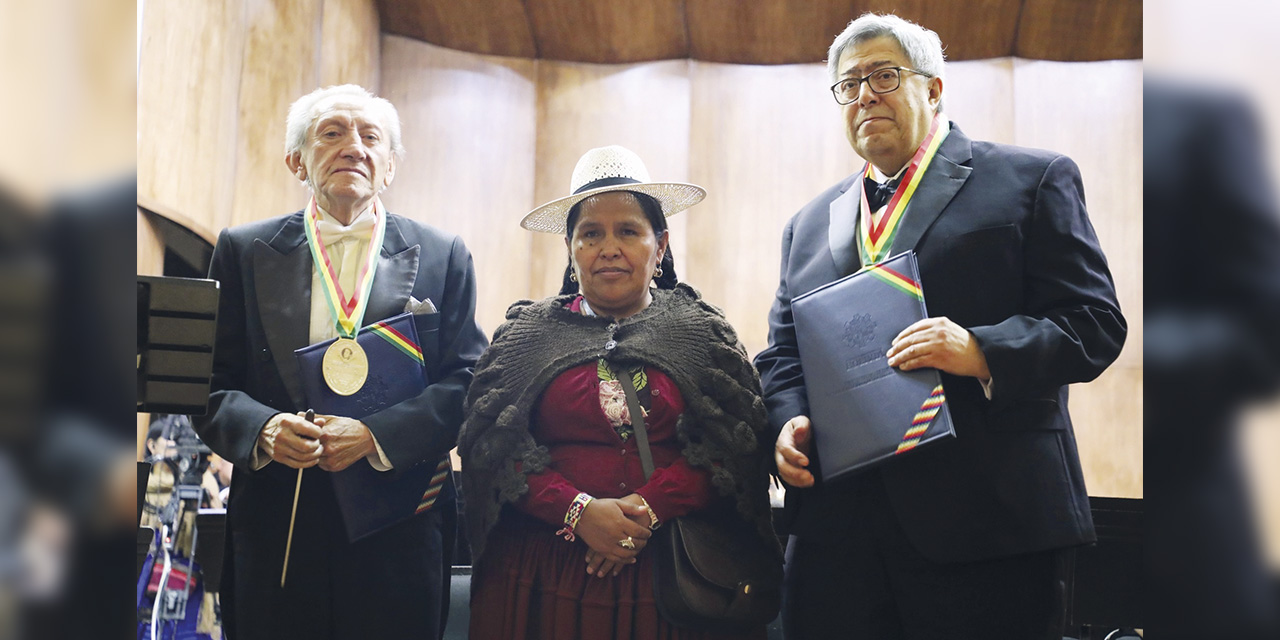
(332, 232)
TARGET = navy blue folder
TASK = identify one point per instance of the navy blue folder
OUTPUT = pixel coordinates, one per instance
(864, 411)
(373, 500)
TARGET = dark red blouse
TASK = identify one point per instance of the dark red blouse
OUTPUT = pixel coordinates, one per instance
(588, 456)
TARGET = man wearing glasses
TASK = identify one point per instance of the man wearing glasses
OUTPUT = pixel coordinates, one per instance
(966, 538)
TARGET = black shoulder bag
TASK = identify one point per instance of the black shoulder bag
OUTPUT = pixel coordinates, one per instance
(709, 573)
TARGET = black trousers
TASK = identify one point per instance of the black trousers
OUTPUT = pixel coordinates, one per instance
(869, 582)
(392, 584)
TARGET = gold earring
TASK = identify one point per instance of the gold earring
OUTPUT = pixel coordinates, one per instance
(573, 275)
(657, 273)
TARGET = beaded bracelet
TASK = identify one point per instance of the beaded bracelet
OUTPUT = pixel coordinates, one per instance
(653, 517)
(572, 516)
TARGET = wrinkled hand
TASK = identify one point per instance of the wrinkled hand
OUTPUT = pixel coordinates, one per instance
(941, 344)
(791, 452)
(291, 441)
(346, 441)
(604, 522)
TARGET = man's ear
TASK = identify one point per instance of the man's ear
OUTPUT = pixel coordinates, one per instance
(935, 92)
(391, 173)
(296, 167)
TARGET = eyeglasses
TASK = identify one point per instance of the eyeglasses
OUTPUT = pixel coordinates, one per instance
(886, 80)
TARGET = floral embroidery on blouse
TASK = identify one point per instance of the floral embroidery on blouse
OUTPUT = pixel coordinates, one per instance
(613, 399)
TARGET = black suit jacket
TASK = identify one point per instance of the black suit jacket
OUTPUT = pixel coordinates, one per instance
(1006, 250)
(265, 271)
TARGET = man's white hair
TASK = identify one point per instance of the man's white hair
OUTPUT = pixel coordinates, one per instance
(922, 46)
(305, 110)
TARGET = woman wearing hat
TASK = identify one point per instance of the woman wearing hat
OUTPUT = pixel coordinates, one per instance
(558, 509)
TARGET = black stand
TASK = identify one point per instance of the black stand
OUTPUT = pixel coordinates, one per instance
(1105, 588)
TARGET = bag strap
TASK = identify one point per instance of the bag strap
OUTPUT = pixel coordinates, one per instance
(637, 422)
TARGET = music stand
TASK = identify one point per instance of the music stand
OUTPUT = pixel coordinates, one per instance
(177, 325)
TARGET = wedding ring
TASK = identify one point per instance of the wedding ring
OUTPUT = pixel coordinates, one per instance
(627, 543)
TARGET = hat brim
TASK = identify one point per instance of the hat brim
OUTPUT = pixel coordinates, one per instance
(673, 196)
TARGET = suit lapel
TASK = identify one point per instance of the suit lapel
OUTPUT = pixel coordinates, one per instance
(844, 227)
(944, 177)
(282, 278)
(396, 276)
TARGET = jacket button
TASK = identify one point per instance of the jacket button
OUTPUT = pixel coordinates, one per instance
(264, 355)
(624, 452)
(654, 392)
(609, 346)
(622, 485)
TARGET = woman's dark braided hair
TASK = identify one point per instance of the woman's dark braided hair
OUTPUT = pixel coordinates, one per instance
(653, 211)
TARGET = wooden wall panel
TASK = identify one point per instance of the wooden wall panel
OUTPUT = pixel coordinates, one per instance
(150, 248)
(608, 32)
(468, 127)
(765, 140)
(643, 107)
(970, 30)
(188, 83)
(978, 96)
(762, 31)
(351, 43)
(280, 65)
(1079, 30)
(782, 32)
(493, 27)
(1107, 417)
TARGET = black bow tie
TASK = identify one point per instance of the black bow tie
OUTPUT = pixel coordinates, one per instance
(878, 194)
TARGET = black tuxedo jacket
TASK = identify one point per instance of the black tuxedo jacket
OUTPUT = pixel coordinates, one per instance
(265, 271)
(1006, 250)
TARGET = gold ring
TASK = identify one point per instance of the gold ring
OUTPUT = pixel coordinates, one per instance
(627, 543)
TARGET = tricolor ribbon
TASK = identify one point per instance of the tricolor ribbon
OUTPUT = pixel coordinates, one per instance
(924, 418)
(896, 280)
(397, 340)
(875, 239)
(437, 482)
(347, 312)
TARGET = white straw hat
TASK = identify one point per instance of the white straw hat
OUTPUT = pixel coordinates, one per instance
(611, 168)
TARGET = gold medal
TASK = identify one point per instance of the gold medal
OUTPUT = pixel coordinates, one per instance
(345, 366)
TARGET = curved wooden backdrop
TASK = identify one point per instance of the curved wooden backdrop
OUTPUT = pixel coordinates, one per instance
(490, 137)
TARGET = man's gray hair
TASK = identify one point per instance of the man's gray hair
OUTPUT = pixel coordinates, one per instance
(922, 46)
(305, 110)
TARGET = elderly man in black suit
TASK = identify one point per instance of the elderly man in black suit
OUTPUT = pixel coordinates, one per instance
(965, 538)
(344, 143)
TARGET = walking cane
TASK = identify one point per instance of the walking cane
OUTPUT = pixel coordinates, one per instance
(284, 571)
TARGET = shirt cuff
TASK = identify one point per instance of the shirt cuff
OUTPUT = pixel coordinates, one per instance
(378, 459)
(986, 386)
(259, 458)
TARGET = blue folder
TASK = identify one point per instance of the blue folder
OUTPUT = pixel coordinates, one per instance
(373, 500)
(863, 411)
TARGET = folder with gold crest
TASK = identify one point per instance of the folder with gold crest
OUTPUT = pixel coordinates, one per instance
(864, 411)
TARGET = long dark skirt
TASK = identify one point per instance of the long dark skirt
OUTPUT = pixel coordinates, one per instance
(532, 584)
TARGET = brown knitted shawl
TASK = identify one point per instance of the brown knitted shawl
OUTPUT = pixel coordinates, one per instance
(721, 429)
